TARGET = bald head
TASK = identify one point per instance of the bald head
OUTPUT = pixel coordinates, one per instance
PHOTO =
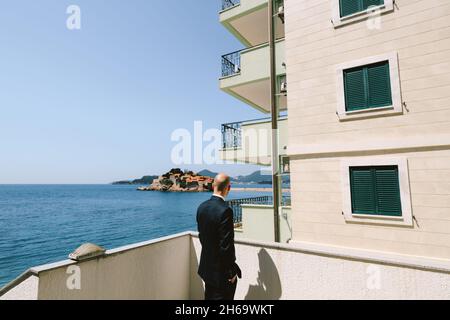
(222, 184)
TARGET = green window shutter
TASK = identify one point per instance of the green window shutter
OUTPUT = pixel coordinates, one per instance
(348, 7)
(375, 190)
(367, 87)
(362, 190)
(388, 191)
(378, 78)
(355, 89)
(368, 3)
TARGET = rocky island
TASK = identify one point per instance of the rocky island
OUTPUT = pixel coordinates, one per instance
(177, 180)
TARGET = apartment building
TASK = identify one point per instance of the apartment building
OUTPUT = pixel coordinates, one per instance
(369, 124)
(367, 120)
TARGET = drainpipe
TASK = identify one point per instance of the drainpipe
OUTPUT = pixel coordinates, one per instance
(274, 114)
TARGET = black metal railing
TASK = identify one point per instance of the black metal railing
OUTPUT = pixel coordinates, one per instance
(236, 204)
(231, 135)
(231, 64)
(229, 3)
(232, 132)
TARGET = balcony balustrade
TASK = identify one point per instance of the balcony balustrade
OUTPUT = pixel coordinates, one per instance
(229, 3)
(231, 135)
(236, 204)
(231, 64)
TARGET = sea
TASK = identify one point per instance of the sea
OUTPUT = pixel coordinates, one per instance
(40, 224)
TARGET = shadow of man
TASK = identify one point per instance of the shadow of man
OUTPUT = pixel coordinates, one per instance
(268, 285)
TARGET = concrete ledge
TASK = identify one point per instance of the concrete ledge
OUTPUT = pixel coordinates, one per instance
(403, 145)
(413, 262)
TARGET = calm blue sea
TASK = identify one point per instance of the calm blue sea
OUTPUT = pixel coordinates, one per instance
(44, 223)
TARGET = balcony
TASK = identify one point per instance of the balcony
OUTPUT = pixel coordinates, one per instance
(251, 142)
(253, 218)
(166, 268)
(246, 76)
(247, 20)
(236, 205)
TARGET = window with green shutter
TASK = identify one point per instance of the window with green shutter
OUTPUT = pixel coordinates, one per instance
(349, 7)
(375, 190)
(367, 87)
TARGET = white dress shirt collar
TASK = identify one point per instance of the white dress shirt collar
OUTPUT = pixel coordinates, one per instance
(219, 196)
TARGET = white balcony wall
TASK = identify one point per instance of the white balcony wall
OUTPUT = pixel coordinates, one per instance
(306, 271)
(258, 223)
(255, 65)
(249, 23)
(166, 268)
(151, 270)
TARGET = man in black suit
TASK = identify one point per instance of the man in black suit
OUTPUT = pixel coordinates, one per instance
(218, 268)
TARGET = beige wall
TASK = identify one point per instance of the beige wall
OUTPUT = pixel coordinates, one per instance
(419, 31)
(317, 207)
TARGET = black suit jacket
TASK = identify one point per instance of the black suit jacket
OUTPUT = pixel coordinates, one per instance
(216, 232)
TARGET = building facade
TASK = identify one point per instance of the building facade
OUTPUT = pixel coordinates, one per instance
(368, 116)
(369, 124)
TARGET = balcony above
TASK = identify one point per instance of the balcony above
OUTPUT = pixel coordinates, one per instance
(246, 76)
(248, 20)
(250, 141)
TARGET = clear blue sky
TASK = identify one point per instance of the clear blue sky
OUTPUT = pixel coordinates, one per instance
(99, 104)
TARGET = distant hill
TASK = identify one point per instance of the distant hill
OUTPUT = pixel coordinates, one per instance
(143, 180)
(207, 173)
(257, 177)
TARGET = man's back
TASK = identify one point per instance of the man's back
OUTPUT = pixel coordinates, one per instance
(216, 233)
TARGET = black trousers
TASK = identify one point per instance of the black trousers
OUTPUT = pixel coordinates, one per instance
(225, 293)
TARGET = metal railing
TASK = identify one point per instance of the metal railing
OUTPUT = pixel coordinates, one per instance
(229, 3)
(231, 63)
(236, 204)
(232, 132)
(231, 135)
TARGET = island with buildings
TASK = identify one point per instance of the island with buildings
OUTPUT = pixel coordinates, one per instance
(177, 180)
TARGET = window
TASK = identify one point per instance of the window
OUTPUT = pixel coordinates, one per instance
(285, 165)
(349, 7)
(350, 11)
(282, 84)
(367, 87)
(375, 190)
